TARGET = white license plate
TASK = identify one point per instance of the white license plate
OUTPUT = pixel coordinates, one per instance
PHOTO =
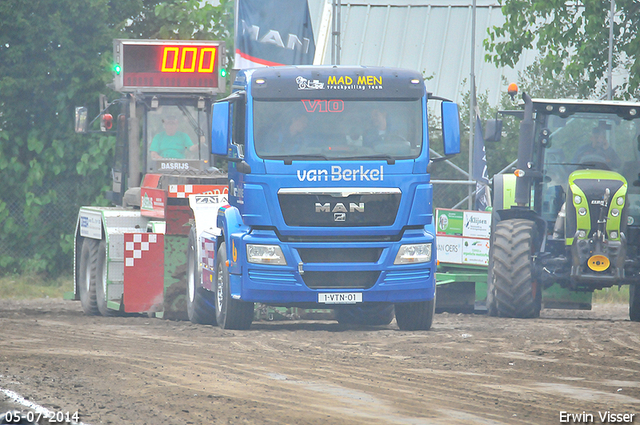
(340, 298)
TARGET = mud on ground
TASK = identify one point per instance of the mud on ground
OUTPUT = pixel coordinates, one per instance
(469, 369)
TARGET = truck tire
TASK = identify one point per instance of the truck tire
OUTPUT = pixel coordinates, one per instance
(201, 303)
(365, 315)
(230, 313)
(634, 302)
(87, 276)
(415, 316)
(512, 290)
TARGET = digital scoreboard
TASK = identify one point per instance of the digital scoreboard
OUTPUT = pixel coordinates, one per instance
(169, 65)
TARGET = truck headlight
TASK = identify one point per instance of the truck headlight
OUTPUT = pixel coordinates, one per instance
(265, 254)
(414, 253)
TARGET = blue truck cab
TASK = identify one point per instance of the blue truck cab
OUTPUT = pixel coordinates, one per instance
(329, 202)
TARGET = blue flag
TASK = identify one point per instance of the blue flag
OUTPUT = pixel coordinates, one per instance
(480, 172)
(272, 33)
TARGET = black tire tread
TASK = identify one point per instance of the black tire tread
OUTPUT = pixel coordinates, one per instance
(236, 314)
(101, 296)
(416, 316)
(634, 302)
(513, 282)
(88, 264)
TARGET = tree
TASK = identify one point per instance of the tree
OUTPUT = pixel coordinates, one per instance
(52, 57)
(572, 38)
(55, 55)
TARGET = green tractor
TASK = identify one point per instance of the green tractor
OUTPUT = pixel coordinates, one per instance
(570, 213)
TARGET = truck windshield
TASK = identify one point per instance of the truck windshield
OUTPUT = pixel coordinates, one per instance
(337, 129)
(176, 139)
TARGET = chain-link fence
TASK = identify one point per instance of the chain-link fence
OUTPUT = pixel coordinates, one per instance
(37, 229)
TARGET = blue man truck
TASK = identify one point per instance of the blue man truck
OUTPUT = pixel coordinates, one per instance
(329, 198)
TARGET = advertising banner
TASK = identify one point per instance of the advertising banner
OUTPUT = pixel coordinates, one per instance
(463, 237)
(273, 32)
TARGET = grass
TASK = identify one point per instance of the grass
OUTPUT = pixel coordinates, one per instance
(612, 295)
(36, 286)
(23, 287)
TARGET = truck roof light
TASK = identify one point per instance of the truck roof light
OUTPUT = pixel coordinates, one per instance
(260, 81)
(415, 81)
(512, 89)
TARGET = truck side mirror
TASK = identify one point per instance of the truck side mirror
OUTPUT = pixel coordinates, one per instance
(450, 128)
(81, 119)
(493, 130)
(220, 128)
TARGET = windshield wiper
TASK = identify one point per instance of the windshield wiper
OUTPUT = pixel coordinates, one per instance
(288, 159)
(390, 159)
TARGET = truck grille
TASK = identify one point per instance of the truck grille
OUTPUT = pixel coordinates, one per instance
(345, 207)
(340, 280)
(339, 255)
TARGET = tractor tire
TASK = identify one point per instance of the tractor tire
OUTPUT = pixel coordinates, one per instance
(201, 303)
(634, 302)
(415, 316)
(490, 302)
(230, 313)
(87, 276)
(512, 290)
(365, 315)
(101, 281)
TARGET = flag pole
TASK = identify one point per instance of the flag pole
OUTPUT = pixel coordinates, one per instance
(472, 99)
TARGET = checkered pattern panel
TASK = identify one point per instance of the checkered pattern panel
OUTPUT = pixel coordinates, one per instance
(184, 190)
(208, 253)
(135, 245)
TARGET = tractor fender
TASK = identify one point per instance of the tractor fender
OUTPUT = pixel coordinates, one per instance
(504, 207)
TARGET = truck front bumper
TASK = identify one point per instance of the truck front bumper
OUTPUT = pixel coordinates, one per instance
(316, 268)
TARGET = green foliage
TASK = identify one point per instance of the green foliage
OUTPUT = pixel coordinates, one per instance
(572, 38)
(55, 55)
(47, 170)
(191, 19)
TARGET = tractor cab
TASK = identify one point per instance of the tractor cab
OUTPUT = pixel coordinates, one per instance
(176, 137)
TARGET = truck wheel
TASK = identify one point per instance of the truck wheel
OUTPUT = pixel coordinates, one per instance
(201, 303)
(87, 276)
(230, 313)
(512, 290)
(634, 302)
(366, 314)
(415, 316)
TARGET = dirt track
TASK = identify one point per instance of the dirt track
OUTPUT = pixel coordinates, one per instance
(469, 369)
